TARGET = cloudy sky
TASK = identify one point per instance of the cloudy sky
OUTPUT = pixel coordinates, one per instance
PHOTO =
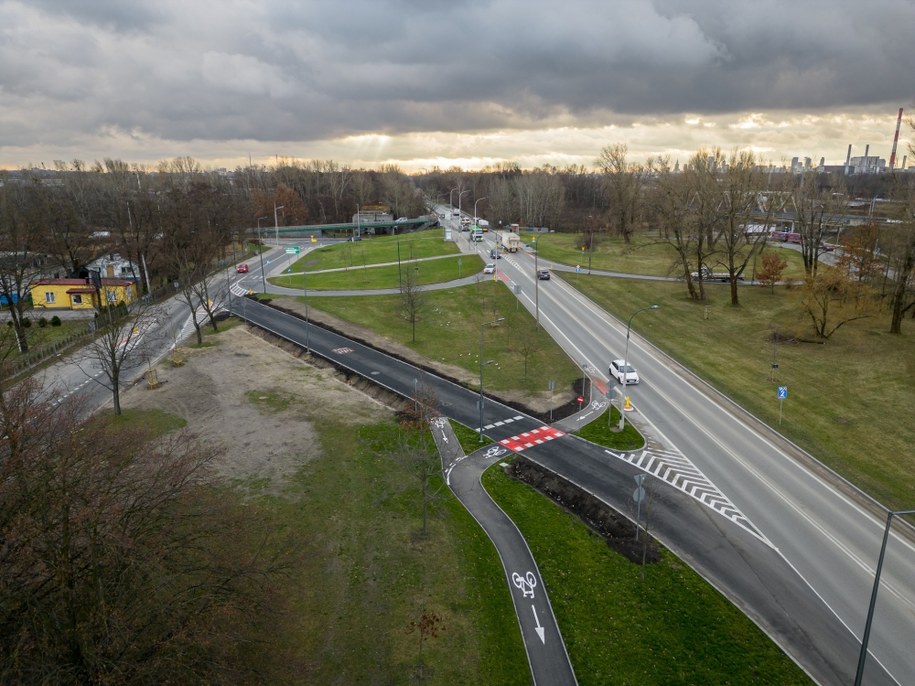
(424, 83)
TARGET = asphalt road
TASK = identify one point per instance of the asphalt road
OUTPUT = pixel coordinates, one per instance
(689, 514)
(824, 532)
(787, 541)
(823, 529)
(546, 652)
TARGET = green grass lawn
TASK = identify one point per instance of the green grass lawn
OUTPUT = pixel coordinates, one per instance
(623, 624)
(377, 250)
(367, 276)
(645, 255)
(360, 572)
(524, 356)
(850, 400)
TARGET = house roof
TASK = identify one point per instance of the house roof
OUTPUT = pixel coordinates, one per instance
(83, 282)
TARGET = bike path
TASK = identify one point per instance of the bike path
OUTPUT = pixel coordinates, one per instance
(546, 651)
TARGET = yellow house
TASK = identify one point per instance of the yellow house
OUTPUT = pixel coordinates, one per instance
(81, 294)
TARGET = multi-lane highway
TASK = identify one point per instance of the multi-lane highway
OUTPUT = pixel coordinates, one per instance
(789, 543)
(824, 531)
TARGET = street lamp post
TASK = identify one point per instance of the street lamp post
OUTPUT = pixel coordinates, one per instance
(276, 223)
(451, 199)
(536, 284)
(461, 195)
(862, 656)
(494, 321)
(475, 220)
(305, 296)
(260, 252)
(626, 364)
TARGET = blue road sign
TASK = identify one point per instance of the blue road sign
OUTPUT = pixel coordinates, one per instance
(782, 392)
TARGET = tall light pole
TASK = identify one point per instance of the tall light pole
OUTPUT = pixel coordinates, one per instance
(626, 364)
(536, 283)
(494, 321)
(870, 610)
(461, 195)
(451, 199)
(260, 251)
(305, 295)
(475, 220)
(276, 223)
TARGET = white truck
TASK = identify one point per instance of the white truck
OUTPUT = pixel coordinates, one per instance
(509, 242)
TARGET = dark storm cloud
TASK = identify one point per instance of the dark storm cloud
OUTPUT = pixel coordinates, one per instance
(275, 70)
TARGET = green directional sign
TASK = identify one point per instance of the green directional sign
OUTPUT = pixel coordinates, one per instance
(293, 250)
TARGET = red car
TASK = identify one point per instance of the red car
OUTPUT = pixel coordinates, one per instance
(242, 268)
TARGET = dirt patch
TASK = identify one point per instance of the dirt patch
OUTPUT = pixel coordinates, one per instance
(257, 403)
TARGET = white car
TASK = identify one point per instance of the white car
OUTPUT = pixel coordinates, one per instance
(490, 268)
(618, 368)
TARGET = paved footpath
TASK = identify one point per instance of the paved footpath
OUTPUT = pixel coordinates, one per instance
(546, 651)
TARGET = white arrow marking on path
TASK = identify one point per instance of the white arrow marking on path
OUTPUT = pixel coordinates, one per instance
(539, 629)
(586, 414)
(444, 437)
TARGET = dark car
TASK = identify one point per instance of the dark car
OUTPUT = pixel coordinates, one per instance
(242, 268)
(543, 274)
(494, 254)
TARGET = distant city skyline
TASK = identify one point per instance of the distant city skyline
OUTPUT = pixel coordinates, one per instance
(465, 84)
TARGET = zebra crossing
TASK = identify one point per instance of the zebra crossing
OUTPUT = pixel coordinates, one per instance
(674, 468)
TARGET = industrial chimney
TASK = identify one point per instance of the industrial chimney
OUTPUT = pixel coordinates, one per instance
(848, 159)
(895, 140)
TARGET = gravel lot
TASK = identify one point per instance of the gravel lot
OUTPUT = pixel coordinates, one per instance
(257, 402)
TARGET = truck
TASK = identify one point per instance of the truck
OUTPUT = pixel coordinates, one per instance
(476, 233)
(708, 275)
(509, 242)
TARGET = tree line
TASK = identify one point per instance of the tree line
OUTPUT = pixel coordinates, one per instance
(718, 212)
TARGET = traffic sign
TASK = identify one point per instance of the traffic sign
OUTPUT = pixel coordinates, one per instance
(293, 250)
(782, 392)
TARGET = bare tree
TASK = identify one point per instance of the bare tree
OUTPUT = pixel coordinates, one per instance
(817, 209)
(831, 299)
(625, 183)
(122, 343)
(412, 297)
(741, 183)
(679, 211)
(21, 262)
(117, 565)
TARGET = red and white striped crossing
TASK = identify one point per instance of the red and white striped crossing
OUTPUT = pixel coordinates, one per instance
(531, 438)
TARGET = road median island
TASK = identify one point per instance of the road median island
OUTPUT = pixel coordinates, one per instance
(616, 530)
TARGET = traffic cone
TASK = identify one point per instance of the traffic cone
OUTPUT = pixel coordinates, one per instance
(628, 406)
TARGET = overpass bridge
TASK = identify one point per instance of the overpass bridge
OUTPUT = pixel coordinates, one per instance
(344, 230)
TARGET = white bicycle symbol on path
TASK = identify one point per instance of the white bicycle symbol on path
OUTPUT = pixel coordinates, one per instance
(525, 583)
(494, 452)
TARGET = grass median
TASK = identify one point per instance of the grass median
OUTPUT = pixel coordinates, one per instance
(849, 399)
(450, 326)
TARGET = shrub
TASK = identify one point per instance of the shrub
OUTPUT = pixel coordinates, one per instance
(42, 322)
(26, 322)
(55, 321)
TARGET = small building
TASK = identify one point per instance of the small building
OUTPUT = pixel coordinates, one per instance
(113, 266)
(82, 294)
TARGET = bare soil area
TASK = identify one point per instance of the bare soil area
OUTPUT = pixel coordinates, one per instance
(257, 403)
